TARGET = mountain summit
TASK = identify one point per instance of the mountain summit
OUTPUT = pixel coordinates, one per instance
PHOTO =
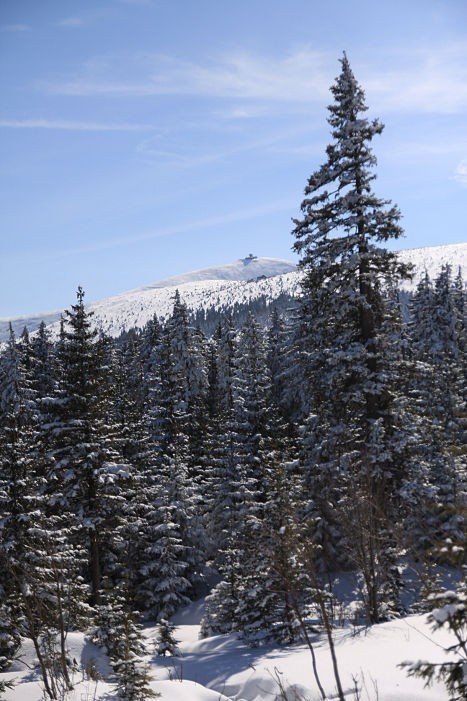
(249, 268)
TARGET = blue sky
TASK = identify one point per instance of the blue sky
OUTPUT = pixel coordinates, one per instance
(144, 138)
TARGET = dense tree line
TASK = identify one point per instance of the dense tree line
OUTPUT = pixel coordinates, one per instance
(137, 473)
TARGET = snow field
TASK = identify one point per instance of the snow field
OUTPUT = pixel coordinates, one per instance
(223, 667)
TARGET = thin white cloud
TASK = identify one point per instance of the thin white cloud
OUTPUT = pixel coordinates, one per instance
(301, 77)
(70, 22)
(71, 125)
(461, 172)
(413, 80)
(241, 112)
(15, 28)
(143, 3)
(429, 80)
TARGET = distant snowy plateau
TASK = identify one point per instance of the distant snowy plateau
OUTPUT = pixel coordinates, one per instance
(223, 288)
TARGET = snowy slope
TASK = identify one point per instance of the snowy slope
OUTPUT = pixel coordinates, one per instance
(222, 667)
(248, 268)
(136, 308)
(432, 258)
(222, 287)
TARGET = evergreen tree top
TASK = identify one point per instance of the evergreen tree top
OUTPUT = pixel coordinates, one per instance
(348, 94)
(349, 157)
(77, 321)
(343, 220)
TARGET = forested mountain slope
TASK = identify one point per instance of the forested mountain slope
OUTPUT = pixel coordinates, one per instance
(252, 282)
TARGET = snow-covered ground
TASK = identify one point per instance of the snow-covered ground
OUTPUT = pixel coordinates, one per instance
(223, 667)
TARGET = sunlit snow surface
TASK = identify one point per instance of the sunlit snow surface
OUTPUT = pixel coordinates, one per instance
(223, 667)
(222, 287)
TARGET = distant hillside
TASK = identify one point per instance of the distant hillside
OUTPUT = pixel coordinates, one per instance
(136, 307)
(257, 283)
(431, 258)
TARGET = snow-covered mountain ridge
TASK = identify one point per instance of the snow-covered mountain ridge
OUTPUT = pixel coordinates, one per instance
(223, 288)
(431, 258)
(248, 269)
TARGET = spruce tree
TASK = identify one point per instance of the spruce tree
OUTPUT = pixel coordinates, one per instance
(172, 538)
(119, 634)
(248, 501)
(340, 237)
(218, 491)
(80, 442)
(166, 643)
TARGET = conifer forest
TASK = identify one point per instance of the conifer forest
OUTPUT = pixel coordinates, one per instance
(251, 465)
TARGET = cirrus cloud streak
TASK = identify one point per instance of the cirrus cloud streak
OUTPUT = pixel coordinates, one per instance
(426, 79)
(66, 125)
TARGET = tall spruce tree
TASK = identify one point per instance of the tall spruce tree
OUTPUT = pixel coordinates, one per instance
(80, 444)
(349, 358)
